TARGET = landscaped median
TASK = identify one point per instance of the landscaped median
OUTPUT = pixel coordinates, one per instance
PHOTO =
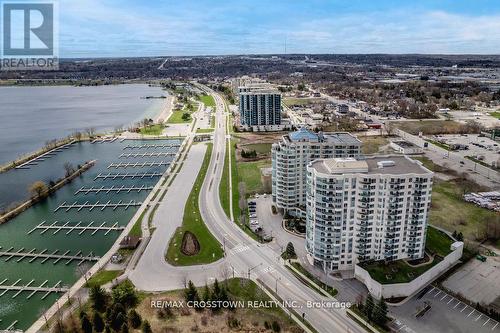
(192, 243)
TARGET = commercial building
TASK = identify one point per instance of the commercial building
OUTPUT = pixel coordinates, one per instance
(290, 157)
(366, 209)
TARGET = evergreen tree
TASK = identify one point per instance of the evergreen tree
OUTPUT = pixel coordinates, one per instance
(98, 298)
(290, 251)
(216, 291)
(86, 325)
(125, 294)
(206, 294)
(146, 328)
(380, 312)
(369, 306)
(97, 322)
(134, 319)
(191, 293)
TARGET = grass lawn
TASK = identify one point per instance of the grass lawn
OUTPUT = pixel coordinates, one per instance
(438, 242)
(136, 229)
(250, 174)
(428, 127)
(102, 277)
(429, 164)
(332, 291)
(451, 212)
(224, 194)
(207, 100)
(176, 117)
(210, 248)
(155, 129)
(260, 148)
(204, 130)
(371, 144)
(395, 272)
(439, 144)
(234, 180)
(495, 114)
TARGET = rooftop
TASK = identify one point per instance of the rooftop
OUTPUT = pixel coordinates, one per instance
(388, 165)
(305, 135)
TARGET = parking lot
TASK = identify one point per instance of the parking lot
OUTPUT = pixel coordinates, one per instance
(477, 146)
(477, 281)
(446, 314)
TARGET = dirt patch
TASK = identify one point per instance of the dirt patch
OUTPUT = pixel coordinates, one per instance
(190, 244)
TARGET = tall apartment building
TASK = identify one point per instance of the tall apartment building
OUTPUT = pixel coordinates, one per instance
(366, 209)
(290, 158)
(259, 106)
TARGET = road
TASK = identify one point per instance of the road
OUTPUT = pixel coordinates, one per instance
(243, 256)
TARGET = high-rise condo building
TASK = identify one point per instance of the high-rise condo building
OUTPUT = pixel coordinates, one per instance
(290, 157)
(366, 209)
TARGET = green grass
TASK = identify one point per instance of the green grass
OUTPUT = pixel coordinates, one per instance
(176, 117)
(260, 148)
(495, 114)
(397, 271)
(102, 277)
(136, 229)
(155, 129)
(451, 212)
(439, 144)
(291, 101)
(250, 174)
(330, 290)
(234, 180)
(204, 130)
(224, 194)
(438, 242)
(207, 100)
(372, 144)
(210, 248)
(429, 127)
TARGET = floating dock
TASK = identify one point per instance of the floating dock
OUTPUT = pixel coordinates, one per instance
(102, 206)
(143, 155)
(29, 287)
(97, 190)
(33, 255)
(57, 227)
(153, 146)
(137, 165)
(44, 156)
(128, 175)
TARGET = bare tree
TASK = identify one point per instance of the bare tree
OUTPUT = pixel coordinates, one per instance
(68, 168)
(225, 273)
(38, 189)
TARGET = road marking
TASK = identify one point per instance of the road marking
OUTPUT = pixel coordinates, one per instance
(458, 304)
(470, 313)
(450, 300)
(465, 307)
(240, 248)
(439, 292)
(486, 322)
(479, 317)
(495, 326)
(443, 297)
(430, 290)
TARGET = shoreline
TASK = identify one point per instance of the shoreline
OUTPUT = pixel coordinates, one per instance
(166, 110)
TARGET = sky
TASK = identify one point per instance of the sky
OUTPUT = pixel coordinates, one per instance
(125, 28)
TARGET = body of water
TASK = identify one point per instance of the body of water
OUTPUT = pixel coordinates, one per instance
(15, 233)
(31, 116)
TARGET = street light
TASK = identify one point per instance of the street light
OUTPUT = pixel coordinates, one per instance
(251, 269)
(276, 286)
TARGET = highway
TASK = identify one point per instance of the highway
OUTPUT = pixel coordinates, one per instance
(244, 257)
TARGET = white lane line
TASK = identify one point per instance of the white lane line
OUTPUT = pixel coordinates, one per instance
(470, 313)
(465, 307)
(439, 292)
(479, 317)
(451, 300)
(495, 326)
(443, 297)
(458, 304)
(486, 322)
